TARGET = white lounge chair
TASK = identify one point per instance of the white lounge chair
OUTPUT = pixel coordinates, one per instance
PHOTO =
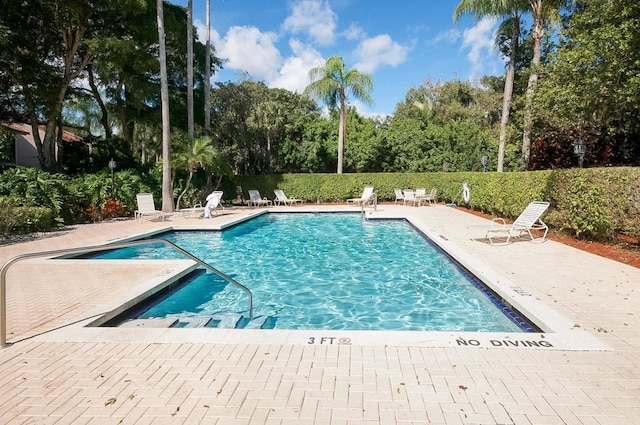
(146, 207)
(367, 195)
(214, 202)
(399, 195)
(281, 198)
(255, 200)
(527, 221)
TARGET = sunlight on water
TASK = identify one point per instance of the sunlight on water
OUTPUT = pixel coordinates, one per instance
(328, 271)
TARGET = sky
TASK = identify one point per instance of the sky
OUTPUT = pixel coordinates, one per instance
(399, 43)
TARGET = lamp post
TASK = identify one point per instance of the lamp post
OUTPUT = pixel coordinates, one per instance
(112, 166)
(580, 149)
(483, 160)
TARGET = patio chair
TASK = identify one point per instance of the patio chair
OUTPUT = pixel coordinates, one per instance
(367, 195)
(214, 202)
(282, 198)
(146, 207)
(399, 195)
(430, 198)
(421, 193)
(527, 221)
(255, 200)
(409, 196)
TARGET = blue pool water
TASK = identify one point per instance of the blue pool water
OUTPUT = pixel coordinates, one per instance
(328, 271)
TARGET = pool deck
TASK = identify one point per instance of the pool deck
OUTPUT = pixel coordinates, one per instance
(57, 371)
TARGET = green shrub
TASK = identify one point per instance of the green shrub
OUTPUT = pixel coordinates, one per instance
(597, 203)
(20, 220)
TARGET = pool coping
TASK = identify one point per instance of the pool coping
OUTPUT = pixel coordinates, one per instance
(559, 332)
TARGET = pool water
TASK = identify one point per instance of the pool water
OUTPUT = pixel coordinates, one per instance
(328, 271)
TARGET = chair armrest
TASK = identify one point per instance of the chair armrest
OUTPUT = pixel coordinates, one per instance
(499, 221)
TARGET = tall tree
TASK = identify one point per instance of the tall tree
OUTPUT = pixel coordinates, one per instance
(542, 11)
(207, 71)
(48, 49)
(167, 189)
(590, 88)
(190, 120)
(267, 117)
(331, 83)
(509, 30)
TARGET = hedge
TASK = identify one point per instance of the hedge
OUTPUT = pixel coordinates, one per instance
(595, 203)
(23, 220)
(591, 203)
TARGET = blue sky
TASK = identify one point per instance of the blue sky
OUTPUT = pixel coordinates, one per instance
(401, 43)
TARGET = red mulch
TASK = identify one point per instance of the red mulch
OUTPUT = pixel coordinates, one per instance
(625, 250)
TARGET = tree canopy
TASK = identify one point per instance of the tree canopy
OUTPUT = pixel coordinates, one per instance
(93, 68)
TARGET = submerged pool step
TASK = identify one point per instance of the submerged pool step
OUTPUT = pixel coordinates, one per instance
(221, 321)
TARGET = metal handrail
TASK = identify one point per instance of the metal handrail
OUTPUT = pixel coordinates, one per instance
(107, 247)
(375, 204)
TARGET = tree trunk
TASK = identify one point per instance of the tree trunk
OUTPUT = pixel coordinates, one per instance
(207, 73)
(341, 132)
(190, 68)
(508, 92)
(104, 119)
(537, 32)
(186, 188)
(268, 153)
(167, 189)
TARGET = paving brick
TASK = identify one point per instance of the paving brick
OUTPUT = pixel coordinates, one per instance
(69, 382)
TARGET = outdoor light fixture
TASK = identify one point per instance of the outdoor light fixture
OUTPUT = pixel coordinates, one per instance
(112, 166)
(483, 160)
(580, 149)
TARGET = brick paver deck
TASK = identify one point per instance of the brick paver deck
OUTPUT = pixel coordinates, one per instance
(128, 381)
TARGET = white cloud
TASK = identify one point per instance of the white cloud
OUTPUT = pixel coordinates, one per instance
(314, 18)
(294, 74)
(480, 40)
(379, 50)
(448, 36)
(354, 32)
(249, 50)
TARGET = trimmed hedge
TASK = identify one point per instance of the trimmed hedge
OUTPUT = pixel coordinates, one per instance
(22, 220)
(592, 203)
(596, 203)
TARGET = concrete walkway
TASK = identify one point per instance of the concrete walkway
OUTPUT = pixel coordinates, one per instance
(56, 371)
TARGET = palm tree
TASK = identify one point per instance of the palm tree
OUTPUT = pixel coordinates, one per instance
(167, 189)
(331, 83)
(199, 153)
(207, 72)
(190, 68)
(268, 117)
(542, 12)
(510, 27)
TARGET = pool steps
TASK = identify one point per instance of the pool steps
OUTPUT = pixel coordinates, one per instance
(221, 321)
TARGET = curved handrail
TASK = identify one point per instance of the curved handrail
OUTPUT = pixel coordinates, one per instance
(107, 247)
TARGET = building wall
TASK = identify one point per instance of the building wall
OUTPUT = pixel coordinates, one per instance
(26, 152)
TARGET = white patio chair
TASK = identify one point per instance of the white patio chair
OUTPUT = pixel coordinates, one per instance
(399, 195)
(255, 200)
(214, 202)
(409, 197)
(146, 207)
(367, 196)
(431, 198)
(282, 198)
(527, 221)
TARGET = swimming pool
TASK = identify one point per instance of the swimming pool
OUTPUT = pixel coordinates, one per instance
(326, 271)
